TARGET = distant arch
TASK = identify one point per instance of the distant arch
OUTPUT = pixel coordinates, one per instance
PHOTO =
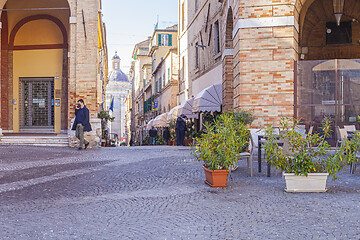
(34, 18)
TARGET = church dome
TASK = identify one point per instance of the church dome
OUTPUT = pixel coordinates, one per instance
(116, 56)
(118, 76)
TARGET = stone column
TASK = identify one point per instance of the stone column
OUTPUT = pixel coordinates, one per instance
(228, 80)
(83, 65)
(266, 46)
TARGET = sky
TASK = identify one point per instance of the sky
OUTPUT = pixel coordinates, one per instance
(131, 21)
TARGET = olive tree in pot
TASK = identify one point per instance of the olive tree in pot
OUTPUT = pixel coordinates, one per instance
(219, 147)
(307, 160)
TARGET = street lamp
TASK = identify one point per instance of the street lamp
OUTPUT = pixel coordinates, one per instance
(338, 10)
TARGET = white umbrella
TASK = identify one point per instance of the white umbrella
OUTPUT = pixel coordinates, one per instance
(173, 113)
(208, 100)
(150, 124)
(161, 120)
(186, 109)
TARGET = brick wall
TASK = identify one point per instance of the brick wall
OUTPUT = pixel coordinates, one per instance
(264, 58)
(84, 57)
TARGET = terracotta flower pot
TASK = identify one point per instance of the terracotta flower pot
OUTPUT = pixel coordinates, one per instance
(188, 142)
(216, 178)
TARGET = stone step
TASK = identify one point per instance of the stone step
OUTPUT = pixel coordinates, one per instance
(62, 141)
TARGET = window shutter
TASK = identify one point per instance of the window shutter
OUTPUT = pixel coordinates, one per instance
(170, 40)
(159, 39)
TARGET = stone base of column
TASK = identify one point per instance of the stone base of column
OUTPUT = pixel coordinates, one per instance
(94, 137)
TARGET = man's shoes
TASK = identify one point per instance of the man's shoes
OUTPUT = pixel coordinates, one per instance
(86, 145)
(80, 148)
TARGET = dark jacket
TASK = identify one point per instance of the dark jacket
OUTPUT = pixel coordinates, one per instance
(166, 134)
(85, 116)
(180, 124)
(152, 133)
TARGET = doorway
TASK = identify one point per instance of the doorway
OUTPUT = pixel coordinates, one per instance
(37, 103)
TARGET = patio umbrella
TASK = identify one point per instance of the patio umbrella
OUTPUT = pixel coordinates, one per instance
(161, 120)
(186, 109)
(208, 100)
(173, 113)
(150, 124)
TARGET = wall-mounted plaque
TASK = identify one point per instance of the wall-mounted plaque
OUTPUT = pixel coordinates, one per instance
(57, 102)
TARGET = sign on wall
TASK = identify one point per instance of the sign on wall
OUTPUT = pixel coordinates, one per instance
(155, 106)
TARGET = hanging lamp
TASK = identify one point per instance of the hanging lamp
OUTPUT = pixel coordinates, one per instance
(338, 10)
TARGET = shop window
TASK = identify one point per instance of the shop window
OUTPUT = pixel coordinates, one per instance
(196, 55)
(338, 34)
(217, 37)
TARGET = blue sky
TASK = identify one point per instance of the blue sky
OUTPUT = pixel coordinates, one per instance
(130, 22)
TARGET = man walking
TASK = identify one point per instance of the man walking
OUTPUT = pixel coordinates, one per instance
(81, 123)
(153, 134)
(166, 135)
(180, 130)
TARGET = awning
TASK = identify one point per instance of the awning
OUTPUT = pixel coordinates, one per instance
(186, 109)
(173, 113)
(150, 124)
(208, 100)
(343, 64)
(161, 120)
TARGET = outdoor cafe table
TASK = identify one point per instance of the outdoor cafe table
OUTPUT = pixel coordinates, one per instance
(261, 139)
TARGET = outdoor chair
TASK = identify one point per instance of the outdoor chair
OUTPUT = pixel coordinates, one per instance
(311, 129)
(350, 128)
(341, 134)
(254, 133)
(300, 129)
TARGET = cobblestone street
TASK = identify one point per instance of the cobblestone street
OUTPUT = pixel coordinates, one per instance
(159, 193)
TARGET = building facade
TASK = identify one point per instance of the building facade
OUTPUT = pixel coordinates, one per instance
(165, 82)
(117, 91)
(52, 53)
(163, 52)
(141, 58)
(200, 52)
(264, 49)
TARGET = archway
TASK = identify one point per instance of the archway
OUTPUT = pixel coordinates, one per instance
(34, 60)
(228, 66)
(329, 53)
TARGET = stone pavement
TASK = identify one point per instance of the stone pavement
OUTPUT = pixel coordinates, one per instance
(159, 193)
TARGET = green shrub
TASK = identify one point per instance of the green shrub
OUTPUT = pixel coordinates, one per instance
(222, 142)
(308, 154)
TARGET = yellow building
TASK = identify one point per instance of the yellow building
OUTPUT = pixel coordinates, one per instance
(53, 52)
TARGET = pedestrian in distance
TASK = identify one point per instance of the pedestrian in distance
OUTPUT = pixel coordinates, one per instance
(166, 135)
(153, 134)
(131, 143)
(81, 123)
(180, 130)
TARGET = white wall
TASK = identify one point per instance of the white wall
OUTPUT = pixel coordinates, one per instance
(212, 77)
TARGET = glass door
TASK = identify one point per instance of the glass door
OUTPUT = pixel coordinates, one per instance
(38, 102)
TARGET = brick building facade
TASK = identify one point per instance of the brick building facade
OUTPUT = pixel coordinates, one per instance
(262, 46)
(56, 45)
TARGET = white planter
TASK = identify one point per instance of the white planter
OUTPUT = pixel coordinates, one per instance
(314, 182)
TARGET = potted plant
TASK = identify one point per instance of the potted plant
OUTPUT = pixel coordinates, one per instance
(146, 140)
(105, 118)
(306, 160)
(219, 147)
(159, 140)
